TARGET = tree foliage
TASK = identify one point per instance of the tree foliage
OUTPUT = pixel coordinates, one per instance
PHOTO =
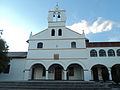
(4, 59)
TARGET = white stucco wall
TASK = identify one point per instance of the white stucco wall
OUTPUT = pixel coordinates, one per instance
(17, 67)
(108, 61)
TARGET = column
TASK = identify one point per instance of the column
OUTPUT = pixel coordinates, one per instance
(87, 75)
(65, 75)
(26, 74)
(110, 76)
(46, 77)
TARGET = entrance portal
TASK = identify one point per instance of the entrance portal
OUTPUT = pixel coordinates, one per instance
(115, 71)
(58, 73)
(74, 72)
(38, 72)
(100, 72)
(55, 72)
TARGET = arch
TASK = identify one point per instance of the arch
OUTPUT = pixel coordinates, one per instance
(75, 72)
(58, 16)
(118, 52)
(115, 73)
(73, 44)
(38, 71)
(53, 32)
(55, 64)
(60, 32)
(102, 53)
(35, 64)
(100, 72)
(40, 45)
(93, 53)
(56, 72)
(76, 62)
(111, 52)
(29, 65)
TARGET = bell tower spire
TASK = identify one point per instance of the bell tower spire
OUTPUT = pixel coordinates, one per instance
(56, 17)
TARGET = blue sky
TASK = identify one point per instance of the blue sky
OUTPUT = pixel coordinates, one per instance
(99, 18)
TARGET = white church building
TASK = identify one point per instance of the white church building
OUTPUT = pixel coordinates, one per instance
(59, 53)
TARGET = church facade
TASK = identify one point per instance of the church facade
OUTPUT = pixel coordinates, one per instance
(58, 53)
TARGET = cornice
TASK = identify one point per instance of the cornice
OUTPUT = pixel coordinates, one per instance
(55, 26)
(57, 39)
(55, 21)
(57, 11)
(55, 59)
(58, 49)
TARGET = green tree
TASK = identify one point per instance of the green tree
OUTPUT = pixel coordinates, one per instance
(4, 59)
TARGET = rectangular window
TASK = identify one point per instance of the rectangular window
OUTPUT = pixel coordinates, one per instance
(7, 69)
(56, 56)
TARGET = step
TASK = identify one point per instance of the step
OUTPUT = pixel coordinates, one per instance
(52, 85)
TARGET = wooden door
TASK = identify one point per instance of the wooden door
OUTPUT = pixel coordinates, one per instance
(58, 73)
(95, 74)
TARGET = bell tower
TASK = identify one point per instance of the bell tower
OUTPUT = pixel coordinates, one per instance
(56, 17)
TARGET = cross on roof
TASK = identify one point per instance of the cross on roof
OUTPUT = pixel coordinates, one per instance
(57, 6)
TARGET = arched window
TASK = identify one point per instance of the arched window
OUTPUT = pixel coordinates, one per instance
(60, 32)
(7, 69)
(73, 44)
(58, 14)
(40, 45)
(54, 16)
(59, 17)
(118, 52)
(93, 53)
(53, 32)
(102, 53)
(111, 52)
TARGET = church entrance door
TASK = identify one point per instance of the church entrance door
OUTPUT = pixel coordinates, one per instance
(58, 73)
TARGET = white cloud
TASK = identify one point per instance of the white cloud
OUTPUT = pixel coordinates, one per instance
(15, 37)
(100, 25)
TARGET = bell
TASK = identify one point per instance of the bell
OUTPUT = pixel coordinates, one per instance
(58, 16)
(53, 15)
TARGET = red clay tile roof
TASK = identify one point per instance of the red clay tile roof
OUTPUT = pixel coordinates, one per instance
(103, 44)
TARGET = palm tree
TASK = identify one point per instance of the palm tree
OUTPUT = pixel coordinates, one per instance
(4, 59)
